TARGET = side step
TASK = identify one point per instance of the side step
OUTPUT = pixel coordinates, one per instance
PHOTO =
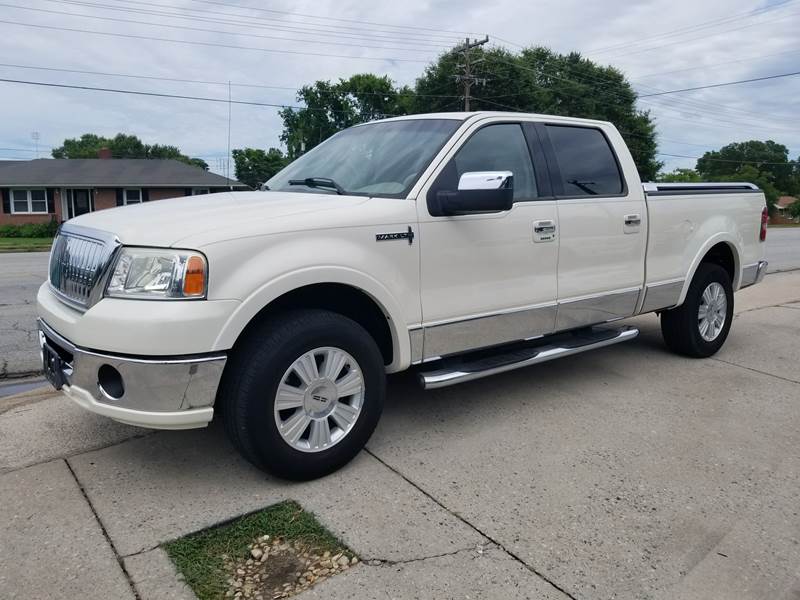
(481, 364)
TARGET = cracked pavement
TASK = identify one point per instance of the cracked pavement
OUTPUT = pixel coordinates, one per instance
(625, 473)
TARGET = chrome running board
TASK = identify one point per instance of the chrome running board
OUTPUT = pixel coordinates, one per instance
(484, 363)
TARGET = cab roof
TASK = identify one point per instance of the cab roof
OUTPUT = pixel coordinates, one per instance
(482, 114)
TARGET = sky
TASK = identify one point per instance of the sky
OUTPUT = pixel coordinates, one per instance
(268, 50)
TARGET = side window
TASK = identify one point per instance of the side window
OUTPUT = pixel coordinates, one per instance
(586, 162)
(500, 147)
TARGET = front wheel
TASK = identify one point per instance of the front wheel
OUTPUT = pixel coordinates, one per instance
(700, 326)
(303, 393)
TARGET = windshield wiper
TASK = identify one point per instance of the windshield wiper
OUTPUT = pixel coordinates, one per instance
(319, 182)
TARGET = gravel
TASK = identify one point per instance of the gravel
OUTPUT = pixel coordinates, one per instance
(277, 568)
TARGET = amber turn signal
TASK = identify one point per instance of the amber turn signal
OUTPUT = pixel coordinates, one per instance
(194, 281)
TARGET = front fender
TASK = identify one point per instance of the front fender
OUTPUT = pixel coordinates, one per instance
(277, 264)
(277, 287)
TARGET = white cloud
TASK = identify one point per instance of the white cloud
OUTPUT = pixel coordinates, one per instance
(688, 123)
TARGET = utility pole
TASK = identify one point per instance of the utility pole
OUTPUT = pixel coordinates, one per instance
(228, 156)
(466, 77)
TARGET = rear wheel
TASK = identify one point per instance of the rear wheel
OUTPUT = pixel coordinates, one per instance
(700, 326)
(303, 393)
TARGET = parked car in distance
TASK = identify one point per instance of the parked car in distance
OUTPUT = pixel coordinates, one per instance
(458, 244)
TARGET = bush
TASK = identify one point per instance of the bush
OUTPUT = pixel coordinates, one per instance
(29, 230)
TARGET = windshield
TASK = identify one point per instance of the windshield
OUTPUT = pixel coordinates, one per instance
(377, 159)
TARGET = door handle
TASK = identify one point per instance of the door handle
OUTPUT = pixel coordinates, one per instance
(544, 226)
(544, 231)
(633, 220)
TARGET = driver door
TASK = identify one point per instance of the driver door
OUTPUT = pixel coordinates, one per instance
(489, 278)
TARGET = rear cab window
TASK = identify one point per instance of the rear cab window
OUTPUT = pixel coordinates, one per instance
(586, 164)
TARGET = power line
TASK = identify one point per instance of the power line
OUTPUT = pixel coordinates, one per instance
(719, 64)
(696, 27)
(211, 44)
(517, 109)
(234, 84)
(339, 19)
(703, 37)
(162, 95)
(304, 30)
(716, 85)
(592, 80)
(272, 105)
(204, 30)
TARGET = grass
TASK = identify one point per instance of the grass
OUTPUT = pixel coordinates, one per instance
(198, 556)
(19, 244)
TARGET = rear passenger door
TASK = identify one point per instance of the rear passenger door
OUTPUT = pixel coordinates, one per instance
(602, 226)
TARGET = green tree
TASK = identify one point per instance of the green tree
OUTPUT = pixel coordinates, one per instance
(767, 157)
(794, 209)
(121, 146)
(331, 107)
(750, 174)
(680, 176)
(254, 166)
(542, 81)
(535, 80)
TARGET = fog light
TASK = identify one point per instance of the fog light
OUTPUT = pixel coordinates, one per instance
(110, 383)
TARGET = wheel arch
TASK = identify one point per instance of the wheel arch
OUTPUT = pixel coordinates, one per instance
(344, 291)
(720, 249)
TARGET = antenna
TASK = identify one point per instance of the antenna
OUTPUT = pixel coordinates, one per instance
(35, 138)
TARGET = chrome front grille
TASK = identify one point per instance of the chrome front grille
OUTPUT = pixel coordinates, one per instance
(77, 264)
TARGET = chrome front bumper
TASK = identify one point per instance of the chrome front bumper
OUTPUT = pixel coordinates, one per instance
(753, 274)
(160, 393)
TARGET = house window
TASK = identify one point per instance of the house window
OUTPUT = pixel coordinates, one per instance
(132, 196)
(29, 202)
(199, 191)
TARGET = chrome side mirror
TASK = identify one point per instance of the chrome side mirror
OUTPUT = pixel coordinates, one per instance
(485, 180)
(478, 192)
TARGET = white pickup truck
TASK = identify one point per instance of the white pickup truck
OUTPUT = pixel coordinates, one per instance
(461, 245)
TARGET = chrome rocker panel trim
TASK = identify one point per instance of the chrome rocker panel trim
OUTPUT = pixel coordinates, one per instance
(160, 393)
(753, 274)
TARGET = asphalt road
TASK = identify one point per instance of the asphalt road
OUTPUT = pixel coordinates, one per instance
(627, 473)
(783, 249)
(21, 274)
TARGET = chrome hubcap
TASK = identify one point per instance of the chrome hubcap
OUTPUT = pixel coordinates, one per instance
(712, 312)
(319, 399)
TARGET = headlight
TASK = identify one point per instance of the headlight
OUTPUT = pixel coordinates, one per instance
(157, 273)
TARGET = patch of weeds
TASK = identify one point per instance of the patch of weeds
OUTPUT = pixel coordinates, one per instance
(205, 558)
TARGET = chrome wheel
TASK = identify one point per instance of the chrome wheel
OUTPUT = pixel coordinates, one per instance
(712, 312)
(319, 399)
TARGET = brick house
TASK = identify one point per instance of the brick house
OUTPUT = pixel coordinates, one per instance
(38, 191)
(782, 214)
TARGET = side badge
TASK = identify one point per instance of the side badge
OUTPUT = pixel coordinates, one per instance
(402, 235)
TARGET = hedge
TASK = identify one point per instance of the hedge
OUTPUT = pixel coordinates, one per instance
(29, 230)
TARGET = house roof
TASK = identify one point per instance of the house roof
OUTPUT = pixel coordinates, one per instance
(114, 172)
(785, 201)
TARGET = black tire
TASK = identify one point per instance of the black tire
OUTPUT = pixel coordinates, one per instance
(679, 326)
(255, 370)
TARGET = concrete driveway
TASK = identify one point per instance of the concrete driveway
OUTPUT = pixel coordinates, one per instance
(624, 473)
(21, 274)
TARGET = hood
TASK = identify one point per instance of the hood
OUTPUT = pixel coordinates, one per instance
(221, 216)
